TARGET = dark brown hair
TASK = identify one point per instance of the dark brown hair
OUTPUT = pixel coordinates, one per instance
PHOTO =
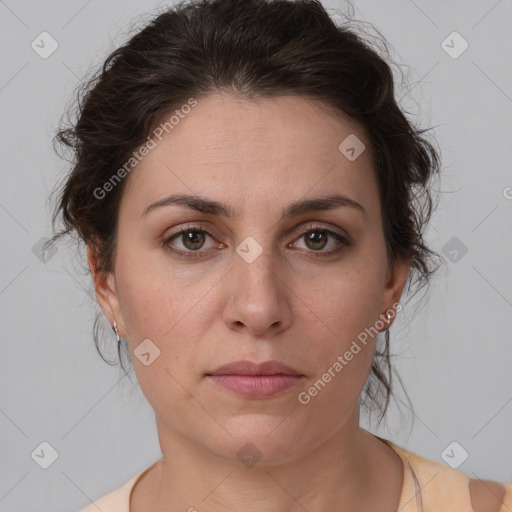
(256, 49)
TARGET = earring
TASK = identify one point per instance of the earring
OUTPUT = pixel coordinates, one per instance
(114, 328)
(386, 335)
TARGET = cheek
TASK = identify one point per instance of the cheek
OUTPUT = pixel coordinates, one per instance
(342, 361)
(143, 300)
(152, 299)
(163, 314)
(169, 309)
(345, 313)
(349, 301)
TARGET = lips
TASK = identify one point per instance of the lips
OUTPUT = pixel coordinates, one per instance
(256, 380)
(246, 367)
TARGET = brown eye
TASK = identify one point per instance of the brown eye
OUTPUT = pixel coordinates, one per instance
(192, 239)
(316, 239)
(189, 241)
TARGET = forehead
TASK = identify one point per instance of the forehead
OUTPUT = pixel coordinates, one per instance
(229, 146)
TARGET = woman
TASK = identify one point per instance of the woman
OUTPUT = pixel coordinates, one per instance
(253, 203)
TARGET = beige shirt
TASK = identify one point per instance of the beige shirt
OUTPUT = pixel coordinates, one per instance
(428, 486)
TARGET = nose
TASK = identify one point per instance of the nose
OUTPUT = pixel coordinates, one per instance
(258, 297)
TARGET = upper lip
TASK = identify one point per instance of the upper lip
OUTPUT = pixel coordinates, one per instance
(246, 367)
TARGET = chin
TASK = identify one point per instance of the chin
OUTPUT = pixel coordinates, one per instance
(258, 437)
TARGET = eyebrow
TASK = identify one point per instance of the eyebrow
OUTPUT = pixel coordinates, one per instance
(205, 205)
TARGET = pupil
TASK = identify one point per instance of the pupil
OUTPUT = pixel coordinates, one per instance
(192, 237)
(316, 237)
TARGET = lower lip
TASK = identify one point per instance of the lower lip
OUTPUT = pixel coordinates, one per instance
(257, 386)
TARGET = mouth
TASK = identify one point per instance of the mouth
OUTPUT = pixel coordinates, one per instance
(257, 386)
(256, 380)
(245, 367)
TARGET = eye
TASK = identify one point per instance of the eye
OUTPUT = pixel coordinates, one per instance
(191, 238)
(317, 238)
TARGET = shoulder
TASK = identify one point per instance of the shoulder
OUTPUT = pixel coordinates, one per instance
(444, 488)
(490, 496)
(116, 500)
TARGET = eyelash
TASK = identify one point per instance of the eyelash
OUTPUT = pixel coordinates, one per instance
(199, 229)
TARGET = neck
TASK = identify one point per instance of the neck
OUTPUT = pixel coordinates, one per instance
(345, 469)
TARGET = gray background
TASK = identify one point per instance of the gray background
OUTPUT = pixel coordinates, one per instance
(454, 354)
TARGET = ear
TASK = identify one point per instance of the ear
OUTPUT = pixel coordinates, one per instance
(395, 282)
(106, 291)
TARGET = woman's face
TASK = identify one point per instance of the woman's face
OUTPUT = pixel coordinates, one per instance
(252, 285)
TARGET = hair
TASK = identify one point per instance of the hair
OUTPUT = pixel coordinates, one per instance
(255, 49)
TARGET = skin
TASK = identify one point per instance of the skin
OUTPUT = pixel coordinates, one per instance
(290, 304)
